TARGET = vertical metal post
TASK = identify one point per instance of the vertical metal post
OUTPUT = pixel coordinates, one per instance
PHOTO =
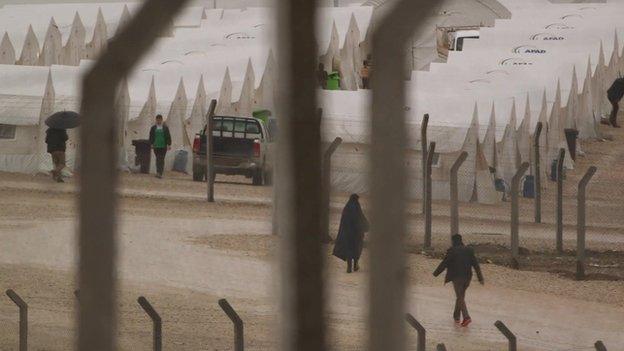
(23, 318)
(537, 173)
(422, 333)
(600, 346)
(515, 214)
(440, 347)
(508, 334)
(388, 201)
(326, 188)
(428, 196)
(209, 145)
(580, 226)
(299, 163)
(98, 176)
(560, 200)
(455, 192)
(424, 144)
(239, 340)
(156, 322)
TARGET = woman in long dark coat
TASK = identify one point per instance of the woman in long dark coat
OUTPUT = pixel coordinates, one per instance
(353, 225)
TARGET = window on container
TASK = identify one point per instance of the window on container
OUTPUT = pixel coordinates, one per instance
(7, 131)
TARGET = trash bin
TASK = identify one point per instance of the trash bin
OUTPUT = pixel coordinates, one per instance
(333, 81)
(571, 135)
(528, 187)
(262, 115)
(143, 152)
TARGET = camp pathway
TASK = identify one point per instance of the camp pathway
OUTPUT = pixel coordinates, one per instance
(160, 252)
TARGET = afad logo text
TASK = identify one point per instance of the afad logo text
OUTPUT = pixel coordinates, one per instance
(528, 49)
(515, 61)
(547, 37)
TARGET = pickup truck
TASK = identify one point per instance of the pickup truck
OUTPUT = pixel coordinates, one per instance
(241, 146)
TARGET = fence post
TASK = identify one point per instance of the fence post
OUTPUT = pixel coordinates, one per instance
(209, 159)
(515, 214)
(455, 193)
(151, 312)
(600, 346)
(423, 145)
(440, 347)
(422, 334)
(326, 188)
(23, 318)
(538, 174)
(508, 334)
(580, 226)
(428, 195)
(560, 200)
(239, 343)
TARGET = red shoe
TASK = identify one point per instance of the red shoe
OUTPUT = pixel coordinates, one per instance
(466, 322)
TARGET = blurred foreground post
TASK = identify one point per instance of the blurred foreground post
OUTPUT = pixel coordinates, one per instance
(580, 225)
(537, 173)
(388, 174)
(455, 193)
(23, 318)
(299, 177)
(515, 215)
(600, 346)
(210, 179)
(98, 176)
(560, 200)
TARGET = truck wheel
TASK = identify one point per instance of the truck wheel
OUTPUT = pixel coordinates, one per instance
(256, 179)
(198, 173)
(268, 178)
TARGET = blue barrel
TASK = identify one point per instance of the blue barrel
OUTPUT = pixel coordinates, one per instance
(528, 188)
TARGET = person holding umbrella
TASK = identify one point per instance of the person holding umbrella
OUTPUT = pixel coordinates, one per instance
(160, 139)
(56, 139)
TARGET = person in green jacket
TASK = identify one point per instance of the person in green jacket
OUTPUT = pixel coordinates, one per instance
(160, 139)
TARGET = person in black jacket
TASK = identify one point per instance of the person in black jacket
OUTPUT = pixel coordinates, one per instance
(615, 94)
(458, 263)
(56, 140)
(350, 239)
(160, 139)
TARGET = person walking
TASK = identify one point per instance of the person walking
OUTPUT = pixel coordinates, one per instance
(615, 94)
(56, 140)
(160, 139)
(365, 75)
(353, 225)
(458, 263)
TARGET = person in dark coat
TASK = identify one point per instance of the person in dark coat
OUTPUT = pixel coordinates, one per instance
(321, 76)
(458, 263)
(56, 140)
(353, 225)
(160, 139)
(615, 94)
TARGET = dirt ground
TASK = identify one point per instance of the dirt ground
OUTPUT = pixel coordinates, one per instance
(184, 254)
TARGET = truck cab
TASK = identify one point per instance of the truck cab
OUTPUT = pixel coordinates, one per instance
(453, 38)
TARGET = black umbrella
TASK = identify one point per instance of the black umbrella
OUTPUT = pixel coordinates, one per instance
(63, 120)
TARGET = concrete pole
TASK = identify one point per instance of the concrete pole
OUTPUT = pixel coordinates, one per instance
(299, 162)
(580, 226)
(326, 189)
(455, 193)
(97, 318)
(423, 145)
(560, 201)
(388, 142)
(209, 157)
(515, 214)
(538, 174)
(428, 196)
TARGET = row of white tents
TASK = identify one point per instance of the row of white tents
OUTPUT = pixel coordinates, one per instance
(548, 63)
(228, 56)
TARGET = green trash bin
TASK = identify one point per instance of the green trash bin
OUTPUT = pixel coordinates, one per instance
(333, 81)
